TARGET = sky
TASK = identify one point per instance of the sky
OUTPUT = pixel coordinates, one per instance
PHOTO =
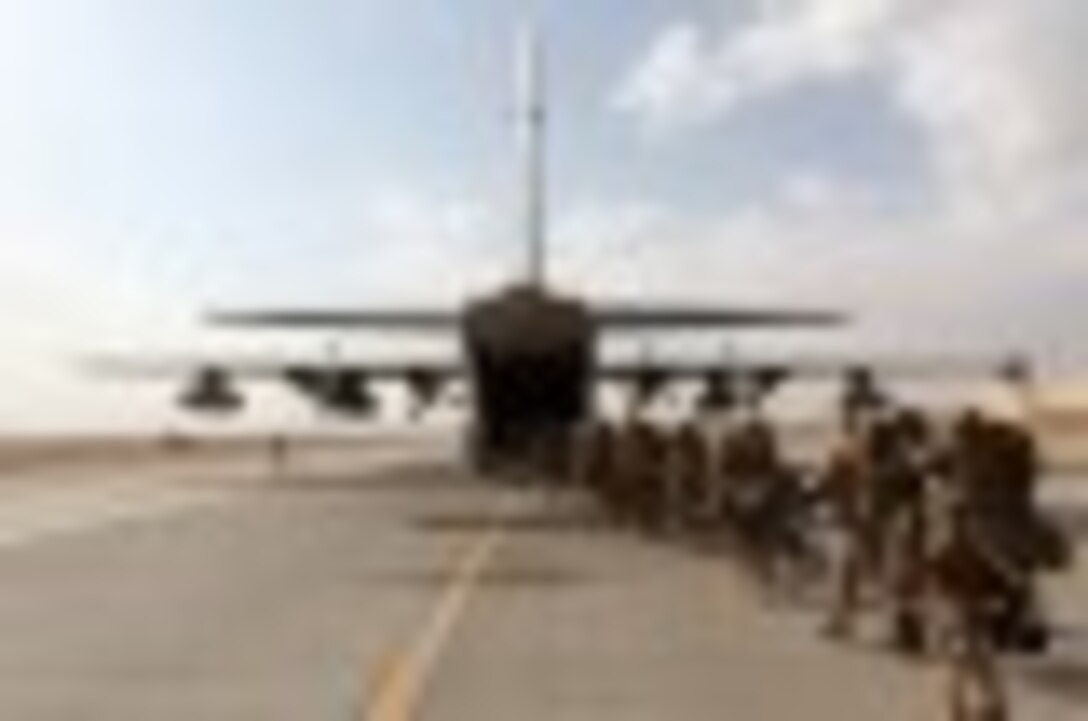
(920, 164)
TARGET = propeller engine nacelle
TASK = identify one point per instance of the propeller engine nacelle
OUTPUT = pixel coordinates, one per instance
(426, 388)
(647, 385)
(211, 392)
(763, 382)
(1016, 371)
(719, 393)
(861, 391)
(343, 392)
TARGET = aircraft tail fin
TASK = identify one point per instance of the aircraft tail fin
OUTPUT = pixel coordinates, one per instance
(532, 128)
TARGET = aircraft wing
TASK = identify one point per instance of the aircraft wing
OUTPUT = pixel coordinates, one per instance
(419, 319)
(726, 382)
(341, 385)
(618, 316)
(636, 317)
(818, 367)
(246, 367)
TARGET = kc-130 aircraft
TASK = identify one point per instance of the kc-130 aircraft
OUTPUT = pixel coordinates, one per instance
(529, 354)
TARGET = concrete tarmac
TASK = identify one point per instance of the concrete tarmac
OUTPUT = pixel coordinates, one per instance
(390, 586)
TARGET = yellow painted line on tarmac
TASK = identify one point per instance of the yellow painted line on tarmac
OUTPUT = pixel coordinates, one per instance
(729, 601)
(403, 677)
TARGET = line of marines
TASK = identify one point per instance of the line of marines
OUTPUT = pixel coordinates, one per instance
(934, 529)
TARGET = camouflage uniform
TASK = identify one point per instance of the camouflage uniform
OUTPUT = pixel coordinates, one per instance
(638, 477)
(994, 543)
(901, 464)
(760, 495)
(687, 467)
(971, 582)
(994, 468)
(592, 451)
(844, 488)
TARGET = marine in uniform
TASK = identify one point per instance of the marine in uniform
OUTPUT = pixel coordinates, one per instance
(843, 488)
(686, 470)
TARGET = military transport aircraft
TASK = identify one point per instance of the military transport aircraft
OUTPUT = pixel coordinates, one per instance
(529, 354)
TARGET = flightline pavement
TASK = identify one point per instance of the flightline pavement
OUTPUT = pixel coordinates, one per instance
(396, 587)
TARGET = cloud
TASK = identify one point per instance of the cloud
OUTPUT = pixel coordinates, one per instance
(907, 283)
(993, 83)
(59, 307)
(61, 304)
(421, 246)
(691, 76)
(216, 167)
(994, 87)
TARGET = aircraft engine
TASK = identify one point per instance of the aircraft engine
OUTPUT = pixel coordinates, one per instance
(719, 393)
(343, 392)
(648, 384)
(425, 388)
(1015, 371)
(764, 381)
(861, 390)
(350, 394)
(211, 392)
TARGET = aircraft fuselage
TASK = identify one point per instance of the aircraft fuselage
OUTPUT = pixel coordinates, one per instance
(531, 358)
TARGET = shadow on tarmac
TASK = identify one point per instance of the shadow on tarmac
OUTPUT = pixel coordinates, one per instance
(522, 522)
(1061, 676)
(529, 576)
(1073, 519)
(409, 477)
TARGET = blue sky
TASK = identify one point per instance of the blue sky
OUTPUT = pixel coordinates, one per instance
(923, 161)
